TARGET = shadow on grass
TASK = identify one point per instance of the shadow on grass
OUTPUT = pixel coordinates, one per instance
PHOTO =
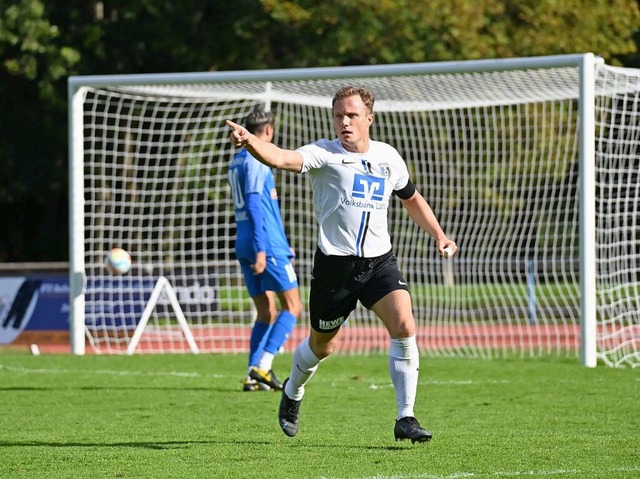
(208, 389)
(159, 445)
(109, 388)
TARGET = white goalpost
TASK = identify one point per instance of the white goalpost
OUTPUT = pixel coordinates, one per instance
(531, 165)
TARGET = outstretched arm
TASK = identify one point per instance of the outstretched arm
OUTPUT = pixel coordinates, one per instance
(423, 215)
(264, 151)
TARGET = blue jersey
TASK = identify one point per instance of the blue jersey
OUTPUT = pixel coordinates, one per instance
(248, 177)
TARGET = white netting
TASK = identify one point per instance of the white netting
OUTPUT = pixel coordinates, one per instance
(496, 154)
(618, 215)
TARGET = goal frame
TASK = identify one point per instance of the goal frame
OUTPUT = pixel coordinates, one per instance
(585, 63)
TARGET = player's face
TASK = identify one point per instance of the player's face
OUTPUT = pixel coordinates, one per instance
(351, 122)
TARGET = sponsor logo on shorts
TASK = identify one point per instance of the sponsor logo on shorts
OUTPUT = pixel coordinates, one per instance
(330, 324)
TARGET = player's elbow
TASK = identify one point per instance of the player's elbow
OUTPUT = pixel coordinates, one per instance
(288, 160)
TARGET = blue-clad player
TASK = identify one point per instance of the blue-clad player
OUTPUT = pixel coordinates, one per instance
(264, 254)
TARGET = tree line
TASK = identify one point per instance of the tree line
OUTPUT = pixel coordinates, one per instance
(43, 43)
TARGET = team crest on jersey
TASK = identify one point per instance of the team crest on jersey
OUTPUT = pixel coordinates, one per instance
(385, 170)
(368, 187)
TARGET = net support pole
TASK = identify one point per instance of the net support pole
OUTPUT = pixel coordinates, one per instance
(162, 284)
(267, 96)
(587, 179)
(76, 222)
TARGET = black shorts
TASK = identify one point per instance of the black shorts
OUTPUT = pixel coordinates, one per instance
(338, 282)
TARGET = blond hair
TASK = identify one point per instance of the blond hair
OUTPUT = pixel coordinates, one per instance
(366, 95)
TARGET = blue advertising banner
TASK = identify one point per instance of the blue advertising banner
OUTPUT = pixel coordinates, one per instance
(36, 304)
(33, 304)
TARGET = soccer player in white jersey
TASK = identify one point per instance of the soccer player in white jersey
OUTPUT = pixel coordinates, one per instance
(264, 254)
(353, 178)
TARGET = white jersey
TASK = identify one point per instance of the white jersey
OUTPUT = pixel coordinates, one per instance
(351, 193)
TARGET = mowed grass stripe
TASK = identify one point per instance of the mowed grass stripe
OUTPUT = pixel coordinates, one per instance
(185, 416)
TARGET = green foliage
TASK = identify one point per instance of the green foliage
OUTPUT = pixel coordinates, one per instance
(177, 416)
(42, 43)
(29, 45)
(398, 31)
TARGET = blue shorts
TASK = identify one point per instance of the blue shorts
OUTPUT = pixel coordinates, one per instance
(278, 276)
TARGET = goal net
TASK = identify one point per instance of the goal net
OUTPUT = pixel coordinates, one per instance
(531, 166)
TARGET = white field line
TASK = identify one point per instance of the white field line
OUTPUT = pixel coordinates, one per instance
(612, 472)
(23, 370)
(451, 382)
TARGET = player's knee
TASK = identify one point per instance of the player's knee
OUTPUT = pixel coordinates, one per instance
(266, 315)
(403, 328)
(292, 303)
(296, 308)
(322, 348)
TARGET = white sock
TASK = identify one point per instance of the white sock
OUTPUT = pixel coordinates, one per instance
(266, 361)
(305, 364)
(404, 363)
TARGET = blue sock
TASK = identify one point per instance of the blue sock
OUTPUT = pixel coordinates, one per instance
(280, 332)
(256, 343)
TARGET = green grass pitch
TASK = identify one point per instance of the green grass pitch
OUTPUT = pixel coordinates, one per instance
(184, 416)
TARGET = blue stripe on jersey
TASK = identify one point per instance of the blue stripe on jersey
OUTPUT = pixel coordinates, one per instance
(362, 233)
